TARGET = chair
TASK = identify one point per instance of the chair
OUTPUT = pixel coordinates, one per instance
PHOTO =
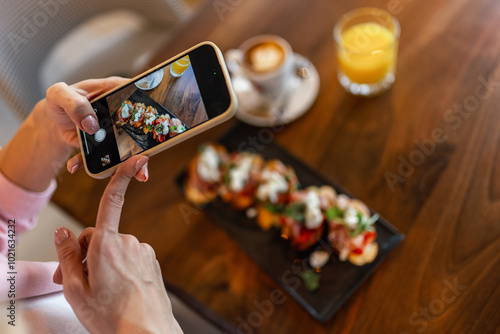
(45, 41)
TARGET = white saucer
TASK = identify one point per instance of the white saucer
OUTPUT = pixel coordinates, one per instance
(151, 81)
(258, 110)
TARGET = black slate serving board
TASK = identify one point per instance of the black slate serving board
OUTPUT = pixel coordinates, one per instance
(144, 140)
(338, 280)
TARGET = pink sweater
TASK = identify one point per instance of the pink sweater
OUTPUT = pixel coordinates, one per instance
(31, 278)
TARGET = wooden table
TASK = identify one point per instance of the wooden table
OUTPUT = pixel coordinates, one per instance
(424, 155)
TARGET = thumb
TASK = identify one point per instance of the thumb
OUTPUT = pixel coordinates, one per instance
(70, 260)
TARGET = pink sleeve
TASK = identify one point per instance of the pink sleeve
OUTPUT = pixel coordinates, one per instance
(32, 279)
(22, 207)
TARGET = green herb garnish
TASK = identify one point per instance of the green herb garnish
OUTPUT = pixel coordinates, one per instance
(311, 279)
(364, 224)
(227, 178)
(334, 213)
(275, 208)
(296, 211)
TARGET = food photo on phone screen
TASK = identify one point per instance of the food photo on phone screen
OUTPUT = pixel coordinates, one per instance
(158, 107)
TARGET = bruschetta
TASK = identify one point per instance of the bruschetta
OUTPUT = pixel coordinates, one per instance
(351, 231)
(276, 182)
(137, 118)
(161, 128)
(125, 111)
(205, 174)
(176, 127)
(241, 177)
(302, 219)
(149, 119)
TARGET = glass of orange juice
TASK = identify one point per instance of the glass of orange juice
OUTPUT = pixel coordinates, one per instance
(367, 49)
(180, 66)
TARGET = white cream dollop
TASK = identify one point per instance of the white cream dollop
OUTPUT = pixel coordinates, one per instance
(208, 165)
(137, 116)
(351, 217)
(313, 214)
(149, 119)
(319, 258)
(239, 175)
(274, 184)
(125, 111)
(166, 127)
(251, 213)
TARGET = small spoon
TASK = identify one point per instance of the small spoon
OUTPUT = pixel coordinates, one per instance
(301, 72)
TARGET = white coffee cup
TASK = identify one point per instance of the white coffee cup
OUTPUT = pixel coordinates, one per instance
(265, 60)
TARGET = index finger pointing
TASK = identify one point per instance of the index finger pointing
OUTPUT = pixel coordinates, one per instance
(108, 217)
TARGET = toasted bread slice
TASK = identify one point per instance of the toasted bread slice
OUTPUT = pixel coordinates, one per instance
(369, 254)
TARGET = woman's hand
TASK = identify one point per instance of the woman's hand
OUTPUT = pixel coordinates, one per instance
(48, 136)
(67, 106)
(119, 288)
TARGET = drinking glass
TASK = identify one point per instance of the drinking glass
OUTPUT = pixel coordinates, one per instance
(180, 66)
(367, 46)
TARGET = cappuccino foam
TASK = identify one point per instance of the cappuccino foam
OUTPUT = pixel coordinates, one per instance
(265, 57)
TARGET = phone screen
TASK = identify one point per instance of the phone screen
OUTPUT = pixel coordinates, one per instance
(156, 108)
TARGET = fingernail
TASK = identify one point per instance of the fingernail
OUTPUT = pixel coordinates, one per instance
(90, 125)
(60, 235)
(74, 168)
(145, 172)
(141, 163)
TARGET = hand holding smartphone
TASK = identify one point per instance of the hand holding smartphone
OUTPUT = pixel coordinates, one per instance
(158, 109)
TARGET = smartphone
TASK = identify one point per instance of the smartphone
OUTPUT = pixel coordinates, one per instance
(159, 108)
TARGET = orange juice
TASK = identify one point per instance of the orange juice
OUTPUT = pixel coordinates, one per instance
(180, 66)
(367, 52)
